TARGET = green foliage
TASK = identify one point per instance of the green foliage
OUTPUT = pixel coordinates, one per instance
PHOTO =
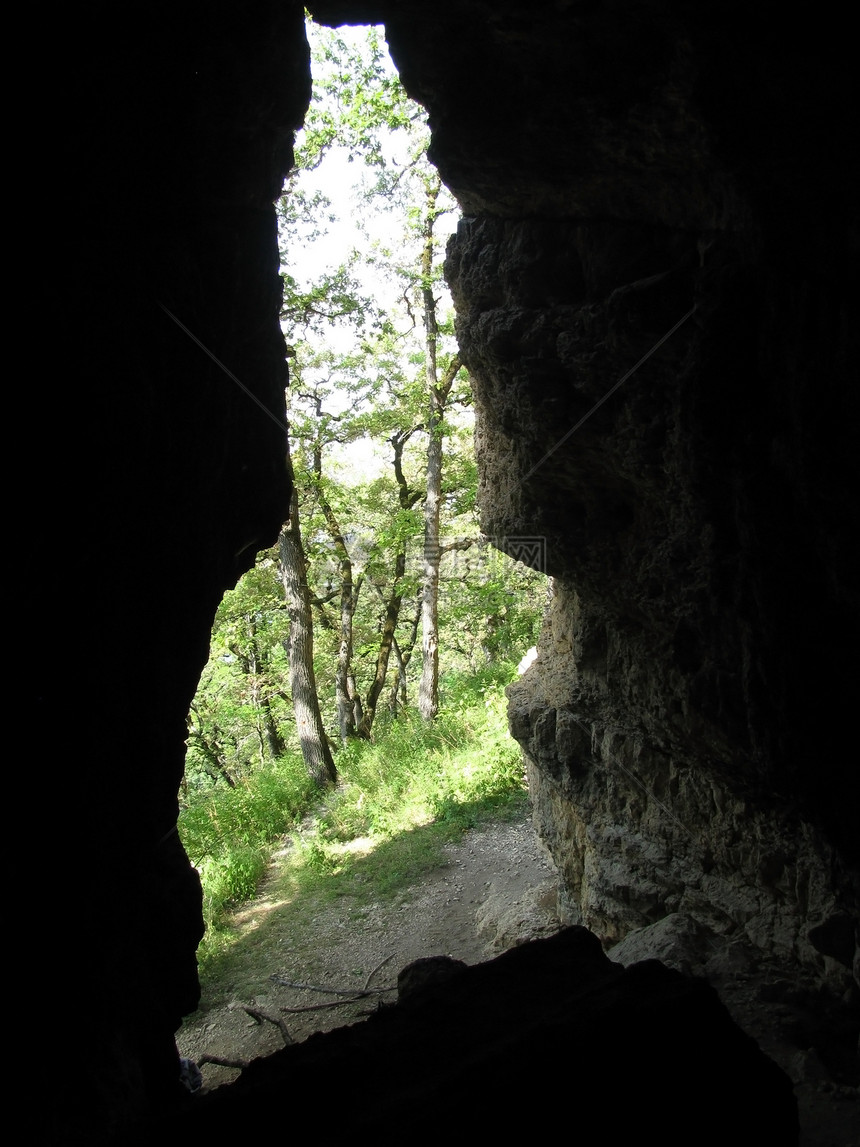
(231, 877)
(355, 92)
(336, 295)
(257, 810)
(358, 394)
(401, 798)
(416, 786)
(228, 833)
(241, 696)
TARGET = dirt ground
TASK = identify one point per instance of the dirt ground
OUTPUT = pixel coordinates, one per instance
(496, 888)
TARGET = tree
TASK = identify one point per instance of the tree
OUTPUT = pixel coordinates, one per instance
(407, 498)
(365, 108)
(383, 514)
(315, 747)
(241, 715)
(438, 394)
(348, 704)
(366, 558)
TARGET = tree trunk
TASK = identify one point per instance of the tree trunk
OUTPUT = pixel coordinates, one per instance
(428, 690)
(437, 396)
(312, 737)
(349, 592)
(386, 640)
(272, 743)
(403, 653)
(407, 498)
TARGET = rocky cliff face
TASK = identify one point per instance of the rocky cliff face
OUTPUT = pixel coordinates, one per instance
(157, 482)
(634, 181)
(654, 179)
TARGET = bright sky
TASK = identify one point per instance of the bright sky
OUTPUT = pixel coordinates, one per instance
(340, 180)
(357, 226)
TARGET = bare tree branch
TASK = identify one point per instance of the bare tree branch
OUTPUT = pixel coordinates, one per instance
(259, 1016)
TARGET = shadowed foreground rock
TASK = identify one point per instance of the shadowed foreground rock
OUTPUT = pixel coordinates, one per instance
(552, 1030)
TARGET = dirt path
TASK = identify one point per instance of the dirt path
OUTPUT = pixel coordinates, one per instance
(496, 889)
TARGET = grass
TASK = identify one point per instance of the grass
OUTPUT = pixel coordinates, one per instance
(228, 835)
(400, 799)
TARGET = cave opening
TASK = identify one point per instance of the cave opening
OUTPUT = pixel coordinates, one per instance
(368, 323)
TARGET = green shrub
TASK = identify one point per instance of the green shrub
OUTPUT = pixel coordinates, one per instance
(410, 790)
(228, 834)
(459, 768)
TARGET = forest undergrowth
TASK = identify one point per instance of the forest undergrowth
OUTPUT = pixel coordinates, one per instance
(400, 798)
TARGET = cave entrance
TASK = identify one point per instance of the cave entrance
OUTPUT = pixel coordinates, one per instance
(361, 754)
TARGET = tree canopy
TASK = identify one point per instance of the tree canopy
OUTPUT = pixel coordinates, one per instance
(381, 582)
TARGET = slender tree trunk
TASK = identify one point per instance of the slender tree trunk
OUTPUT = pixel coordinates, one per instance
(397, 698)
(355, 698)
(403, 652)
(428, 690)
(312, 736)
(386, 641)
(349, 592)
(407, 498)
(344, 680)
(397, 695)
(437, 396)
(272, 743)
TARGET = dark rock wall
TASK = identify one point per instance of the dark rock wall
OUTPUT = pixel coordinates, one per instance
(687, 724)
(171, 130)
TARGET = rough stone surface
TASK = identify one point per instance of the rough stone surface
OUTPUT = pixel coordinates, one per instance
(505, 923)
(686, 754)
(677, 941)
(158, 480)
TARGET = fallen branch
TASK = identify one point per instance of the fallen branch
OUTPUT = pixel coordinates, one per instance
(336, 1003)
(220, 1061)
(381, 964)
(352, 993)
(309, 987)
(259, 1016)
(319, 1007)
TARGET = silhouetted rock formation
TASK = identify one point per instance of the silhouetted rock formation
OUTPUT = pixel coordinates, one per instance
(548, 1035)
